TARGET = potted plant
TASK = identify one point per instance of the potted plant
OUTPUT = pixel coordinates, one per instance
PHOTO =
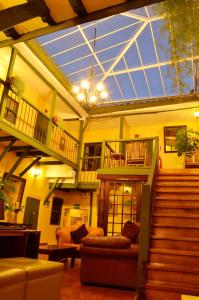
(187, 140)
(6, 189)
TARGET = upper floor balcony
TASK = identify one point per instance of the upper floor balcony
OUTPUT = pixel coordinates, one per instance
(26, 122)
(119, 157)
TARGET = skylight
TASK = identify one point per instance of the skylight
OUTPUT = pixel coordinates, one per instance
(128, 58)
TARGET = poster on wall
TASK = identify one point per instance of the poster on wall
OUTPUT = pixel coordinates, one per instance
(79, 216)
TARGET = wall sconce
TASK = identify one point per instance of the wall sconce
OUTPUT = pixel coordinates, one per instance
(127, 189)
(196, 114)
(36, 171)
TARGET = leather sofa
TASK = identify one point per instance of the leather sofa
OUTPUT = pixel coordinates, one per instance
(64, 237)
(24, 278)
(12, 283)
(110, 261)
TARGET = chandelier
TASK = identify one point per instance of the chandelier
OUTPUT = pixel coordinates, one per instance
(90, 94)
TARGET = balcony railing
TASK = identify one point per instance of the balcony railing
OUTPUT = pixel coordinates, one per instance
(27, 119)
(126, 154)
(88, 167)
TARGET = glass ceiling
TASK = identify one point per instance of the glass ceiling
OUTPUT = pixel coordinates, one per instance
(127, 57)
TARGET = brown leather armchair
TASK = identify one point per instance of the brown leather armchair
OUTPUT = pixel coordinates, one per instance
(110, 261)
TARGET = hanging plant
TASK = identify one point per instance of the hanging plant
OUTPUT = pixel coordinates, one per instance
(6, 190)
(181, 27)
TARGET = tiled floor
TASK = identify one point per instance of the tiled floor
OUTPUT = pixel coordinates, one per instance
(72, 289)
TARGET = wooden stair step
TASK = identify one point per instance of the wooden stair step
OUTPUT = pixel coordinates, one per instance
(179, 172)
(176, 216)
(166, 287)
(175, 257)
(176, 202)
(177, 210)
(175, 238)
(178, 177)
(173, 242)
(176, 252)
(179, 206)
(173, 268)
(177, 190)
(173, 220)
(171, 273)
(179, 183)
(180, 231)
(177, 196)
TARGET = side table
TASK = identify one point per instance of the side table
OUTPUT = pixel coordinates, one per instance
(59, 253)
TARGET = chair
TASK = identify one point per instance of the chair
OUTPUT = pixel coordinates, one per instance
(136, 153)
(109, 261)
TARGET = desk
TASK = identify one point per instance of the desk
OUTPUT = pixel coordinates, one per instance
(17, 242)
(59, 253)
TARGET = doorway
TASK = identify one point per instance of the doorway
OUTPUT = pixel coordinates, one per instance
(119, 202)
(31, 212)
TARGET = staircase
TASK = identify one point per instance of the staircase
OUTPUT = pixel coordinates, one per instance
(173, 267)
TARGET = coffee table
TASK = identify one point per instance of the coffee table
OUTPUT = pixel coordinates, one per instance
(59, 253)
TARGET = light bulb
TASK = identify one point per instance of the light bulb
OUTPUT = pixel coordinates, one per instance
(85, 84)
(93, 98)
(196, 114)
(104, 95)
(75, 89)
(36, 172)
(100, 87)
(80, 97)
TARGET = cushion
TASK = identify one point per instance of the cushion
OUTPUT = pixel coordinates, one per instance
(130, 230)
(78, 234)
(95, 231)
(118, 242)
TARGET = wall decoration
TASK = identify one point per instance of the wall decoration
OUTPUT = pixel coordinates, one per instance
(13, 188)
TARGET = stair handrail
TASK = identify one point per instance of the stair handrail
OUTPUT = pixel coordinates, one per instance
(147, 199)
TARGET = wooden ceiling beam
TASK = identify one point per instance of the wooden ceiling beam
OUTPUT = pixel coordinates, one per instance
(33, 154)
(51, 163)
(137, 104)
(103, 13)
(17, 163)
(34, 162)
(11, 32)
(7, 138)
(7, 149)
(18, 14)
(21, 148)
(78, 7)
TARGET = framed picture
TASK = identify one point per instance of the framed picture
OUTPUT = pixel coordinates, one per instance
(18, 185)
(79, 216)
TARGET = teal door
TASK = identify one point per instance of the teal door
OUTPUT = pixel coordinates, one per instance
(31, 212)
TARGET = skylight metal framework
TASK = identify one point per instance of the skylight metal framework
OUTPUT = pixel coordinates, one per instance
(127, 56)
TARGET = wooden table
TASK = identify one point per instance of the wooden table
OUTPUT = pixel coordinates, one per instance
(59, 253)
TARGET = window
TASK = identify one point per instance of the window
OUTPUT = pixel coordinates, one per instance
(11, 110)
(92, 157)
(170, 138)
(123, 205)
(56, 211)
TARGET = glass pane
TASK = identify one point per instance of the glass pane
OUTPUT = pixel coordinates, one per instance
(170, 138)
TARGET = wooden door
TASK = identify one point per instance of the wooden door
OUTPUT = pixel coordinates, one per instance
(119, 202)
(31, 212)
(41, 128)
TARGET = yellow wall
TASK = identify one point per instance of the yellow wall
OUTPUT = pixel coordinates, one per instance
(4, 61)
(77, 197)
(148, 125)
(35, 188)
